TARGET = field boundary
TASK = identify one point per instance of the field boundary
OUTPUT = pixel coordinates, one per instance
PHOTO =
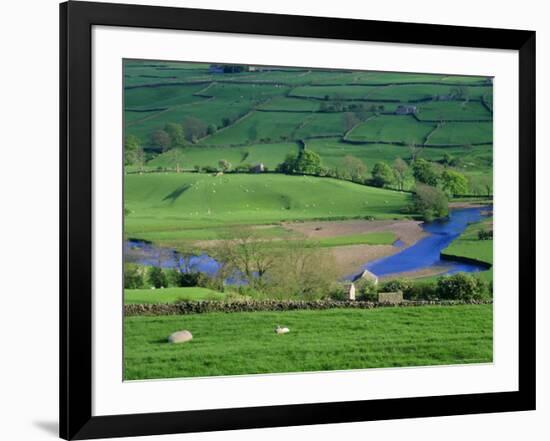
(206, 306)
(463, 259)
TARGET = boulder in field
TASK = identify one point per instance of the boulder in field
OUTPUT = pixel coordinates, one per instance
(180, 337)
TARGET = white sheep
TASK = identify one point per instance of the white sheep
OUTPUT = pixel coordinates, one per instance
(279, 330)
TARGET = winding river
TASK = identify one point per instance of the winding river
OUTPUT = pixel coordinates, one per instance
(424, 254)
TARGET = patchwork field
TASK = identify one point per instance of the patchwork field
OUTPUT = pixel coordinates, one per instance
(281, 183)
(244, 343)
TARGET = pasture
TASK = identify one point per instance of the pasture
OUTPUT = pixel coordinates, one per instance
(469, 246)
(164, 206)
(396, 129)
(244, 343)
(170, 295)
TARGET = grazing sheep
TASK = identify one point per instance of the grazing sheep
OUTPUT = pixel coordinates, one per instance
(279, 330)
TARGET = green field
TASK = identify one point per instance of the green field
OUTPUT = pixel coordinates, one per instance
(453, 110)
(462, 133)
(244, 343)
(174, 202)
(170, 295)
(387, 128)
(468, 245)
(269, 154)
(385, 238)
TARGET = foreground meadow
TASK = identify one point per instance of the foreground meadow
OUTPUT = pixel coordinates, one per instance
(244, 343)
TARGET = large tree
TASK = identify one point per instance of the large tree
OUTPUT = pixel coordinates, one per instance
(245, 255)
(454, 183)
(430, 202)
(424, 172)
(400, 172)
(131, 145)
(354, 168)
(306, 161)
(382, 174)
(161, 139)
(175, 132)
(194, 128)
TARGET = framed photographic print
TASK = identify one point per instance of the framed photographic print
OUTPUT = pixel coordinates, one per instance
(273, 220)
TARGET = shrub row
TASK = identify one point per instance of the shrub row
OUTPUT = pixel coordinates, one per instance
(201, 307)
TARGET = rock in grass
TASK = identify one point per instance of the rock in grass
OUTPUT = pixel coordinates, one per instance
(180, 337)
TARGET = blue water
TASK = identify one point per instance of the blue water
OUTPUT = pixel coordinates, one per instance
(423, 254)
(144, 253)
(426, 252)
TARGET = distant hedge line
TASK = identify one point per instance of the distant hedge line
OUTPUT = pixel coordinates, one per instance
(201, 307)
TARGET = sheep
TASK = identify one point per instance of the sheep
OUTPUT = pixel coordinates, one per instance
(279, 330)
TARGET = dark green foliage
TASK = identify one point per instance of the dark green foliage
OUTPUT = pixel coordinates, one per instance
(424, 172)
(366, 290)
(307, 162)
(461, 286)
(382, 174)
(396, 285)
(454, 183)
(209, 306)
(194, 128)
(430, 202)
(131, 147)
(421, 291)
(156, 277)
(133, 276)
(184, 279)
(160, 139)
(485, 234)
(175, 132)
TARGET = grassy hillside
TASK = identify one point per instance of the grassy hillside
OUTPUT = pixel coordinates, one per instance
(244, 343)
(173, 202)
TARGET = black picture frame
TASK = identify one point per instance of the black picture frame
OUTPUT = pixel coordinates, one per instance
(76, 21)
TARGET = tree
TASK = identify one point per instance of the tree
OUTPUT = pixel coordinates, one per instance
(288, 165)
(224, 165)
(454, 183)
(175, 132)
(382, 174)
(161, 139)
(131, 145)
(301, 269)
(430, 202)
(461, 286)
(400, 172)
(211, 129)
(133, 276)
(308, 162)
(176, 158)
(194, 128)
(245, 255)
(354, 168)
(156, 277)
(424, 172)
